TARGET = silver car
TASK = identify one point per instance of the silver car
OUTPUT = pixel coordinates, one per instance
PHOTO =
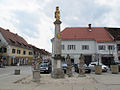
(92, 64)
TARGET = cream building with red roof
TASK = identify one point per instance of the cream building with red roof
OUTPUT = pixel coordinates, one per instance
(14, 49)
(89, 41)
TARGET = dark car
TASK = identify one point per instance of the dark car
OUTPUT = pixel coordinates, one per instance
(87, 69)
(45, 68)
(118, 63)
(64, 66)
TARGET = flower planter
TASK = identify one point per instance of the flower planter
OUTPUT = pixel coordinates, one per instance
(114, 69)
(98, 69)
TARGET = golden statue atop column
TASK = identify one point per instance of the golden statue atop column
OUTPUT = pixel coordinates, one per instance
(57, 71)
(57, 13)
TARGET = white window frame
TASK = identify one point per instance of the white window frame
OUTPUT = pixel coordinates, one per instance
(101, 47)
(85, 47)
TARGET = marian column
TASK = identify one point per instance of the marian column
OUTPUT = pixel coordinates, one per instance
(57, 66)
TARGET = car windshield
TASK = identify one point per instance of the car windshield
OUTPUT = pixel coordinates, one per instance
(83, 65)
(96, 63)
(43, 65)
(117, 62)
(64, 64)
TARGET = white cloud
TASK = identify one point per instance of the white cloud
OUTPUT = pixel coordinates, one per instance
(45, 33)
(107, 2)
(73, 13)
(9, 20)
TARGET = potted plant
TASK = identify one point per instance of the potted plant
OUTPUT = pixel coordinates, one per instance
(98, 67)
(114, 67)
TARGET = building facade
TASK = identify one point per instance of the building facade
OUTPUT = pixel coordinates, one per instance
(14, 49)
(40, 54)
(90, 41)
(115, 32)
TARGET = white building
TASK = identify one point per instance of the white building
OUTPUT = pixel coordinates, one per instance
(89, 41)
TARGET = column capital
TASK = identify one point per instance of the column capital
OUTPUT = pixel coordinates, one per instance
(57, 22)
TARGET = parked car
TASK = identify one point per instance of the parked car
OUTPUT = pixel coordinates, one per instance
(118, 63)
(87, 69)
(64, 66)
(104, 67)
(45, 68)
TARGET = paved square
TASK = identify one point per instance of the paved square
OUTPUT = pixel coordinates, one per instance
(9, 81)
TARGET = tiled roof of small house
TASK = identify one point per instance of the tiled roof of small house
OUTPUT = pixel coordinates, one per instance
(42, 51)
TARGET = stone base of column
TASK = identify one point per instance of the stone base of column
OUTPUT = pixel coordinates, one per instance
(81, 75)
(81, 72)
(57, 73)
(69, 71)
(36, 75)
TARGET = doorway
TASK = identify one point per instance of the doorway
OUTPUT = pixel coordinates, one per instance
(87, 59)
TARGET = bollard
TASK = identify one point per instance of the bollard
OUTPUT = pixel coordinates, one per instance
(17, 72)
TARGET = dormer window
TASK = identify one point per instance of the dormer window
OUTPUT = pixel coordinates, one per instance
(24, 44)
(12, 40)
(19, 43)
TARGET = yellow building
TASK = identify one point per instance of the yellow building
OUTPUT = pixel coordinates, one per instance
(14, 49)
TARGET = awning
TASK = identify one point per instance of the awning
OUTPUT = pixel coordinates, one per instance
(107, 55)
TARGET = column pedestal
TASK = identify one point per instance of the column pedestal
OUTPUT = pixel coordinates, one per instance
(57, 71)
(36, 75)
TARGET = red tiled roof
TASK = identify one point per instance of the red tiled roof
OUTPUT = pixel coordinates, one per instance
(45, 52)
(14, 39)
(115, 32)
(82, 33)
(42, 51)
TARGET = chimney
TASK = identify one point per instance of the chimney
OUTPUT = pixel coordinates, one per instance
(7, 30)
(89, 27)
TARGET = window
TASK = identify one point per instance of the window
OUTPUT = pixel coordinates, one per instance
(118, 47)
(62, 47)
(71, 47)
(101, 47)
(85, 47)
(30, 53)
(18, 51)
(3, 50)
(0, 50)
(13, 50)
(111, 47)
(24, 44)
(12, 41)
(19, 43)
(24, 52)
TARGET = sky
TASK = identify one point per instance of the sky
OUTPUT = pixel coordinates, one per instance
(33, 19)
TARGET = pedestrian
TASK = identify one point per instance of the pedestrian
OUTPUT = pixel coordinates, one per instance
(4, 62)
(1, 62)
(18, 64)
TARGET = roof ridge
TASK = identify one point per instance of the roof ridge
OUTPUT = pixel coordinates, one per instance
(84, 27)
